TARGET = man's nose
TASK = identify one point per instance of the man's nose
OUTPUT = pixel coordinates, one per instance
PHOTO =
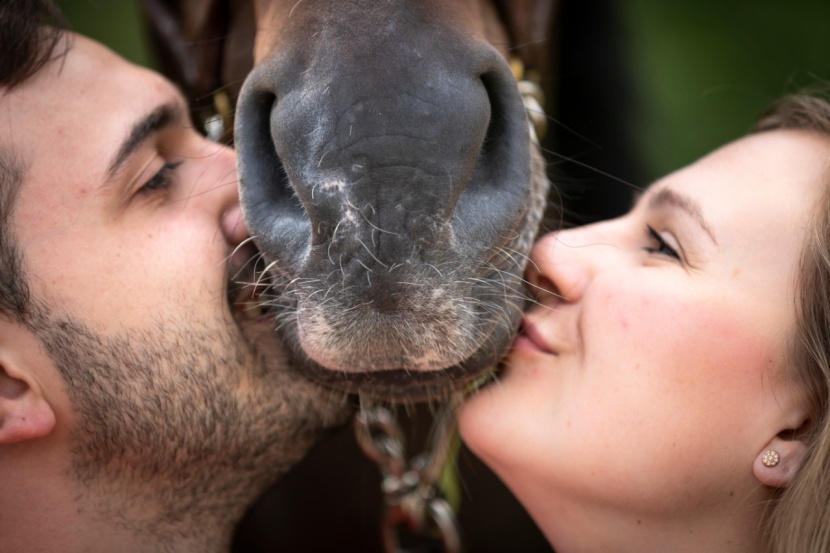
(233, 225)
(221, 190)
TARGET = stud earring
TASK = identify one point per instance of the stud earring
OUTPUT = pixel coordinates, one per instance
(770, 458)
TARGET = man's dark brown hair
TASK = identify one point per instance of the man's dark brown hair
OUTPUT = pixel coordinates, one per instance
(31, 34)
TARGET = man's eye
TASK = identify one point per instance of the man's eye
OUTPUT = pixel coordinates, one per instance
(161, 180)
(661, 247)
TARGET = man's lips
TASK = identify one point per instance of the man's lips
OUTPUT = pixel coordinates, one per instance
(247, 288)
(530, 338)
(249, 304)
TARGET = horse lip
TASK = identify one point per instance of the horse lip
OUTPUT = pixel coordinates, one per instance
(399, 384)
(402, 384)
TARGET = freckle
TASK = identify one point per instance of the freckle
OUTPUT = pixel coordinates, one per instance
(735, 272)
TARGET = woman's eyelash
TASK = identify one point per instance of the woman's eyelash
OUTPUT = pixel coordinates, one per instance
(163, 179)
(663, 248)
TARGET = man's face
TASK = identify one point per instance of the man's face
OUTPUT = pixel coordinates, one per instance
(120, 210)
(125, 223)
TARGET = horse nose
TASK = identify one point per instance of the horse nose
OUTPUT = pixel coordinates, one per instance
(413, 157)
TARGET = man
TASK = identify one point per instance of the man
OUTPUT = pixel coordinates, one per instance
(136, 412)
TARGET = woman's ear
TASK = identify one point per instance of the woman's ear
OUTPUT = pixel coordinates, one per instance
(25, 413)
(776, 465)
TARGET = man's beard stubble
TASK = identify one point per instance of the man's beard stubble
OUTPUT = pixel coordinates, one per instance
(185, 421)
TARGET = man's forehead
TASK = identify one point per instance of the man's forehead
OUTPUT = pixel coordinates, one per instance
(90, 78)
(79, 105)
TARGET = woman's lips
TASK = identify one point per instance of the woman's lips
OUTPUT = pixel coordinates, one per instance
(530, 338)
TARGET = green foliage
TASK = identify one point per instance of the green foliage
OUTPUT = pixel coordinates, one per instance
(116, 23)
(706, 69)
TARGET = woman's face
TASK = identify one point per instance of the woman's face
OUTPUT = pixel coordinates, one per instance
(654, 379)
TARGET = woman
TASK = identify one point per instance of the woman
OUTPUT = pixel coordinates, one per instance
(670, 390)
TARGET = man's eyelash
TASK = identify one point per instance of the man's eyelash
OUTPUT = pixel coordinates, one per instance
(663, 248)
(163, 179)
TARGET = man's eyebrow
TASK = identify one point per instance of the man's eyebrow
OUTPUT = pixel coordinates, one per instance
(161, 117)
(668, 197)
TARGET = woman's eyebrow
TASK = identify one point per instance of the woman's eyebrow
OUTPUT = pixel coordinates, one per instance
(161, 117)
(667, 197)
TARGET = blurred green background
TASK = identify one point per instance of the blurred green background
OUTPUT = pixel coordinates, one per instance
(116, 23)
(702, 71)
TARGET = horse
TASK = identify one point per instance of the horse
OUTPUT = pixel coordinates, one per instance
(210, 48)
(387, 172)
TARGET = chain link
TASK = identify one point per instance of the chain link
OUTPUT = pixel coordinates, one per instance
(412, 497)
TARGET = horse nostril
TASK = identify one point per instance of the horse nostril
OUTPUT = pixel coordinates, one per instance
(495, 127)
(499, 186)
(271, 171)
(275, 214)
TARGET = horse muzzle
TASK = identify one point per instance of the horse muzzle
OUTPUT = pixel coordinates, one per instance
(387, 180)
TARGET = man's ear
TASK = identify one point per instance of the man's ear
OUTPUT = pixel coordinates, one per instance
(776, 465)
(25, 413)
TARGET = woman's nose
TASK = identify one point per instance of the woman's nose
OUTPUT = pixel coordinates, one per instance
(554, 274)
(564, 263)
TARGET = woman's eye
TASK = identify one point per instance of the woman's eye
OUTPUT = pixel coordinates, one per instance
(660, 247)
(161, 180)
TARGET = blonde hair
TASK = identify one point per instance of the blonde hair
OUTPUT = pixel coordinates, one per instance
(798, 519)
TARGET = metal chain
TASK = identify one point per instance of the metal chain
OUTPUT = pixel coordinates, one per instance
(412, 497)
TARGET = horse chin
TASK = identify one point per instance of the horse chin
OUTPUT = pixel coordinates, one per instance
(406, 386)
